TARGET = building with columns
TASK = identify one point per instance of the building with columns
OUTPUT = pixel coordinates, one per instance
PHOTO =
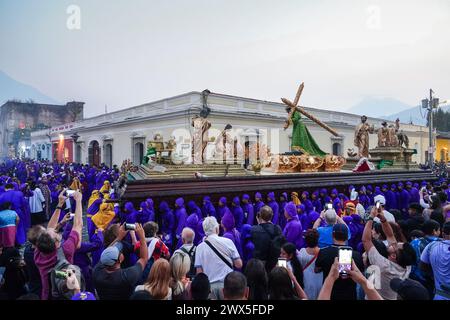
(114, 137)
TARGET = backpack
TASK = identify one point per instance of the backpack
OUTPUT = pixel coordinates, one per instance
(58, 278)
(277, 240)
(191, 253)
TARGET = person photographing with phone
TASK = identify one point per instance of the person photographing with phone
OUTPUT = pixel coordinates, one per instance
(380, 202)
(330, 217)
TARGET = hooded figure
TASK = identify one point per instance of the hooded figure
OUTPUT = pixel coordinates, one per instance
(166, 222)
(103, 217)
(94, 202)
(129, 213)
(283, 203)
(413, 193)
(248, 209)
(180, 217)
(258, 203)
(403, 203)
(191, 222)
(317, 204)
(312, 217)
(272, 203)
(222, 208)
(363, 198)
(302, 215)
(208, 209)
(247, 245)
(229, 231)
(193, 208)
(293, 231)
(22, 208)
(106, 188)
(307, 202)
(391, 198)
(144, 213)
(356, 231)
(238, 213)
(369, 193)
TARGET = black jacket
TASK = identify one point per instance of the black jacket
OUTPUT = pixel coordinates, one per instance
(262, 235)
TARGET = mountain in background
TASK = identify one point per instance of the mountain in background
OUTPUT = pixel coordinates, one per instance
(11, 89)
(416, 115)
(378, 107)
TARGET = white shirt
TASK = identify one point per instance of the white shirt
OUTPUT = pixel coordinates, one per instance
(389, 217)
(36, 201)
(212, 265)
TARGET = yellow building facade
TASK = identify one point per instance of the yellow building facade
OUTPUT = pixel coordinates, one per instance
(442, 146)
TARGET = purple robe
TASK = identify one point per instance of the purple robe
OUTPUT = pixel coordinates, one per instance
(317, 204)
(208, 209)
(404, 198)
(293, 231)
(193, 208)
(272, 203)
(230, 231)
(180, 216)
(238, 213)
(391, 198)
(283, 203)
(222, 208)
(247, 245)
(258, 203)
(248, 209)
(22, 207)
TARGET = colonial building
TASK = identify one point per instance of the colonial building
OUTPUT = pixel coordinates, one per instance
(18, 119)
(114, 137)
(442, 146)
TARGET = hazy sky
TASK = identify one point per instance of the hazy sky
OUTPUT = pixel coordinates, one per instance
(129, 52)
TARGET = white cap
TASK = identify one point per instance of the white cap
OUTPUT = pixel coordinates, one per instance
(381, 199)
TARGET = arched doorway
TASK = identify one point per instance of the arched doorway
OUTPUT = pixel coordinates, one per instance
(94, 153)
(108, 155)
(138, 154)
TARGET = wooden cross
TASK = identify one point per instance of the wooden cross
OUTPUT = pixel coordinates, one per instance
(293, 106)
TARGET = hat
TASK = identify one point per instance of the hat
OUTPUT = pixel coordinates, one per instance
(341, 229)
(86, 295)
(381, 199)
(110, 256)
(409, 289)
(291, 210)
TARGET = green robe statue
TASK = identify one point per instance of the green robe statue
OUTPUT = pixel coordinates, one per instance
(302, 139)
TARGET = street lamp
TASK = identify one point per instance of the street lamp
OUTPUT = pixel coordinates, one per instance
(75, 137)
(429, 105)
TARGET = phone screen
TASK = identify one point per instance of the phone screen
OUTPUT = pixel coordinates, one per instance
(378, 205)
(282, 263)
(70, 192)
(345, 260)
(329, 206)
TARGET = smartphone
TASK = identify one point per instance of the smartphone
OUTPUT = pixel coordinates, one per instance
(70, 193)
(329, 206)
(130, 226)
(282, 263)
(72, 215)
(345, 260)
(377, 205)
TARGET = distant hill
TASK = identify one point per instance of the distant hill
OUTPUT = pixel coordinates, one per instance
(11, 89)
(416, 114)
(378, 107)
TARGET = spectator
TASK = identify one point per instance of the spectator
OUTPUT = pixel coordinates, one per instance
(435, 259)
(354, 274)
(401, 256)
(266, 235)
(235, 287)
(289, 252)
(112, 282)
(34, 278)
(180, 263)
(9, 220)
(409, 289)
(326, 233)
(308, 256)
(216, 256)
(49, 242)
(200, 287)
(141, 295)
(257, 280)
(343, 289)
(415, 234)
(158, 282)
(188, 247)
(415, 220)
(284, 286)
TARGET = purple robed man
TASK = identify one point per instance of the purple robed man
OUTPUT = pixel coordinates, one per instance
(22, 208)
(191, 222)
(144, 213)
(193, 208)
(258, 203)
(356, 226)
(323, 194)
(414, 195)
(166, 222)
(180, 217)
(370, 195)
(272, 203)
(307, 202)
(238, 213)
(222, 208)
(392, 198)
(208, 209)
(229, 230)
(404, 198)
(293, 231)
(302, 215)
(283, 203)
(363, 198)
(249, 211)
(247, 245)
(317, 204)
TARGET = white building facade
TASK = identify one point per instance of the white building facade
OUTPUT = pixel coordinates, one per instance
(114, 137)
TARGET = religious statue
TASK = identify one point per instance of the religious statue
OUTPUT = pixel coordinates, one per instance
(224, 145)
(200, 138)
(383, 134)
(392, 136)
(361, 140)
(302, 139)
(403, 139)
(351, 153)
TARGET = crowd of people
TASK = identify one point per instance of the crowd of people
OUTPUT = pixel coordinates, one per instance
(63, 235)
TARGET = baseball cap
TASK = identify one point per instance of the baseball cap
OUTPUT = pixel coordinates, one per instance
(86, 295)
(340, 229)
(110, 256)
(409, 289)
(381, 199)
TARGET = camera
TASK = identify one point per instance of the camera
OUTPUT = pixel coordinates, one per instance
(345, 260)
(130, 226)
(329, 206)
(69, 193)
(282, 263)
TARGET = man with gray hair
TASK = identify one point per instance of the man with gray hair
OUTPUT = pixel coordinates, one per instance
(216, 256)
(187, 236)
(328, 217)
